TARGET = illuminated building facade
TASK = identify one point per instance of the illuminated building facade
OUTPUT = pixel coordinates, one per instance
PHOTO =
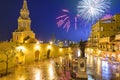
(105, 34)
(27, 48)
(24, 32)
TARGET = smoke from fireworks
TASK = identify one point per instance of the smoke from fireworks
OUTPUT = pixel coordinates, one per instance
(65, 21)
(92, 10)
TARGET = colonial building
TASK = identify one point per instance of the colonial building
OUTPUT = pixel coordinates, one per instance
(24, 32)
(105, 34)
(104, 28)
(19, 52)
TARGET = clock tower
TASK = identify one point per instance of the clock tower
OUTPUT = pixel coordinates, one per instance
(24, 31)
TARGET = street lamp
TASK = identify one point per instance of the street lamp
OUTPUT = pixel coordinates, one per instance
(51, 42)
(49, 47)
(60, 49)
(37, 46)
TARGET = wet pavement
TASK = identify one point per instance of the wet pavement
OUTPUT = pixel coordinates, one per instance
(102, 68)
(97, 69)
(42, 70)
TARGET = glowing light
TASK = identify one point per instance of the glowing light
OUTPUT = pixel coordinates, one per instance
(79, 53)
(65, 10)
(92, 10)
(99, 52)
(91, 50)
(20, 48)
(38, 42)
(51, 42)
(26, 42)
(60, 49)
(49, 47)
(37, 47)
(88, 49)
(38, 74)
(51, 72)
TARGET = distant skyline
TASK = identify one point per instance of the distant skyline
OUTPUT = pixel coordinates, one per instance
(43, 15)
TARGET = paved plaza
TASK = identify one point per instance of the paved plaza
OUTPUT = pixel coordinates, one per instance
(97, 69)
(42, 70)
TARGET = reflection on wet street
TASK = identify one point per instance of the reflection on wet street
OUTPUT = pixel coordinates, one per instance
(97, 69)
(36, 71)
(102, 69)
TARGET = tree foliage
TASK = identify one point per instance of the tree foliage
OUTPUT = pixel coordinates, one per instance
(7, 53)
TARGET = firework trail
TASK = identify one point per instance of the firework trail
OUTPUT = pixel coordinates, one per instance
(65, 21)
(92, 10)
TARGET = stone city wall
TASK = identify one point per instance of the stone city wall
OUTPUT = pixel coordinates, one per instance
(29, 52)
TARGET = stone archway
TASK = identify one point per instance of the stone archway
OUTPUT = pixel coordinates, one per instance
(37, 52)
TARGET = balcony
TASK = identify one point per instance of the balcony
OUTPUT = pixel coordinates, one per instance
(104, 40)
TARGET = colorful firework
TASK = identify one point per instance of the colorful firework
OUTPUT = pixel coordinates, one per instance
(65, 21)
(107, 16)
(92, 10)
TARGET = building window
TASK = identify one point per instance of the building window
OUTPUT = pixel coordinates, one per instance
(101, 28)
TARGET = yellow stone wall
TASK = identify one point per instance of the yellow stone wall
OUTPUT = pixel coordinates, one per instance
(19, 36)
(28, 52)
(104, 28)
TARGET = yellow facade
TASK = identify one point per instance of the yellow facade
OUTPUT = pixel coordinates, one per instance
(26, 52)
(105, 36)
(24, 31)
(104, 28)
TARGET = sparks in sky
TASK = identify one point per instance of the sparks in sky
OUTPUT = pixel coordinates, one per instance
(65, 21)
(92, 10)
(107, 16)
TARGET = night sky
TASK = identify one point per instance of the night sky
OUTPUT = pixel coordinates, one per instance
(43, 15)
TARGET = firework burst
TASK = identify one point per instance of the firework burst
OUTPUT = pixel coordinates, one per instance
(107, 16)
(65, 21)
(92, 10)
